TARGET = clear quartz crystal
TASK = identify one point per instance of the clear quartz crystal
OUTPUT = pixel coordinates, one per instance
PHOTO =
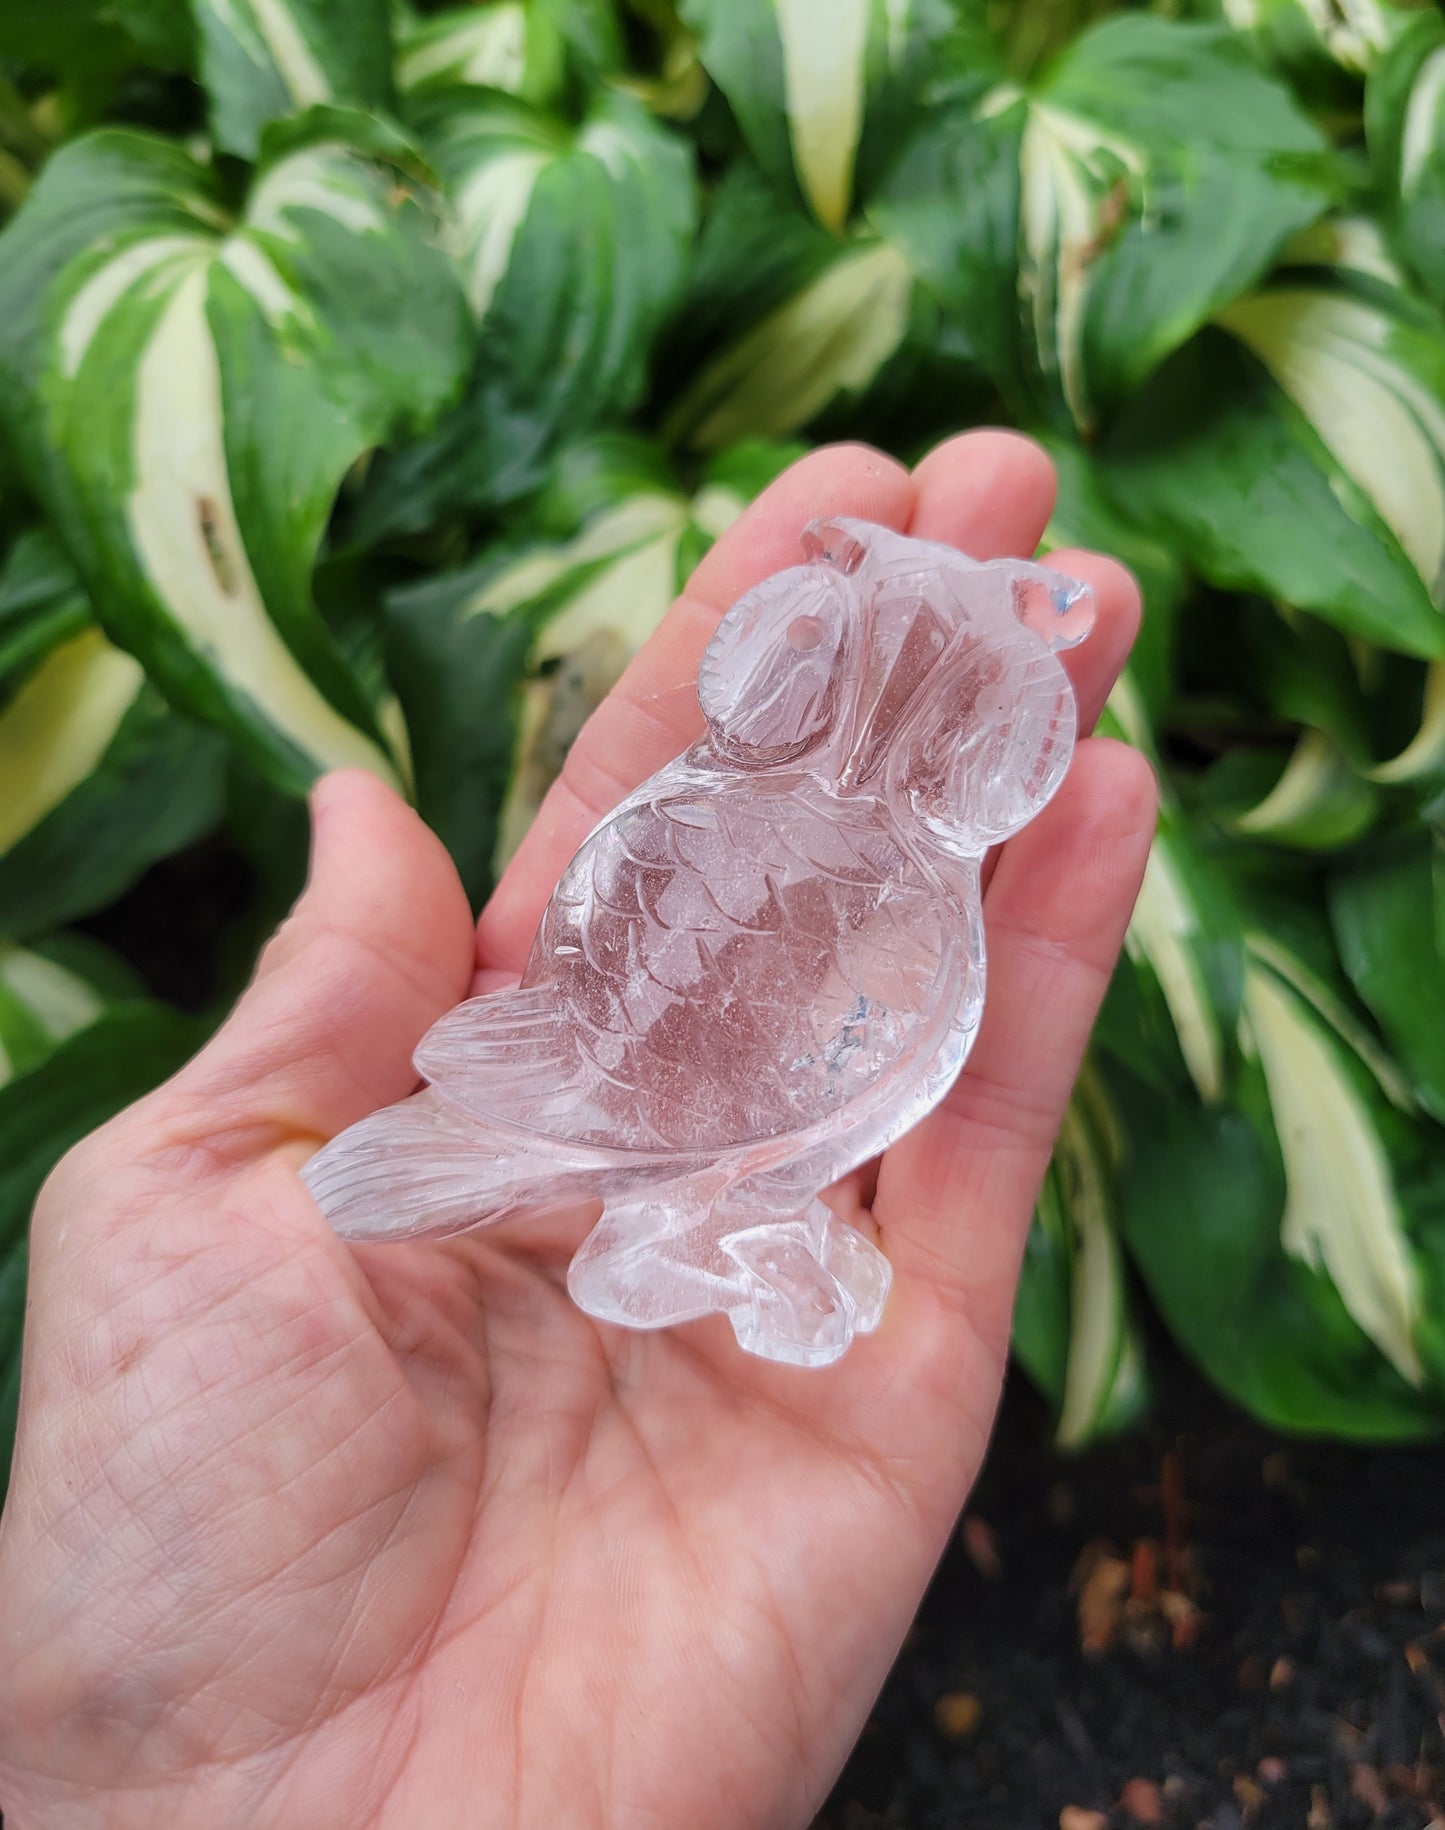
(765, 966)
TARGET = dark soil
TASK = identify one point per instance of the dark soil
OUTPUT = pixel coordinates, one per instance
(1274, 1614)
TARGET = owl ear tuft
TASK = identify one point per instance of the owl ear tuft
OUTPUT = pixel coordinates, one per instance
(768, 683)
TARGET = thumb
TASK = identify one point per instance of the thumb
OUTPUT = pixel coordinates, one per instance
(378, 946)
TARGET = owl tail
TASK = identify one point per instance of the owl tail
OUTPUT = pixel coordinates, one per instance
(413, 1169)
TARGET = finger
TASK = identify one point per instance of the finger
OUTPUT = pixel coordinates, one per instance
(652, 713)
(1095, 664)
(989, 493)
(956, 1195)
(379, 945)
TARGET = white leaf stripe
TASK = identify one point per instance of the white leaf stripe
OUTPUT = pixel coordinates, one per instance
(825, 46)
(292, 56)
(328, 178)
(183, 527)
(486, 46)
(1338, 359)
(60, 1000)
(1166, 932)
(271, 34)
(625, 565)
(491, 208)
(1424, 120)
(1098, 1323)
(1067, 166)
(1425, 752)
(57, 727)
(832, 337)
(1317, 793)
(112, 283)
(1342, 1214)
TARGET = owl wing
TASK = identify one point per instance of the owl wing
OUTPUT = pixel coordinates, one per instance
(510, 1057)
(735, 966)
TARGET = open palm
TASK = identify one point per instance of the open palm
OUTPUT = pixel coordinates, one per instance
(301, 1534)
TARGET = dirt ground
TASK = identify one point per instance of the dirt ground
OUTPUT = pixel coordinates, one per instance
(1203, 1625)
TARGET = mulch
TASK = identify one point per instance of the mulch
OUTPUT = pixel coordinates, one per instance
(1204, 1624)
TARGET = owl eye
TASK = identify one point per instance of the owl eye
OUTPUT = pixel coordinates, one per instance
(805, 632)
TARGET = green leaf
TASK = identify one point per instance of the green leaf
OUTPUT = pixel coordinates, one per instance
(43, 1000)
(1405, 126)
(1073, 1331)
(1388, 913)
(1344, 1213)
(1085, 227)
(1314, 43)
(41, 605)
(265, 60)
(89, 41)
(537, 638)
(828, 340)
(572, 244)
(93, 1074)
(99, 776)
(1185, 947)
(1424, 755)
(509, 45)
(1318, 803)
(102, 779)
(187, 395)
(1202, 1199)
(1303, 456)
(807, 79)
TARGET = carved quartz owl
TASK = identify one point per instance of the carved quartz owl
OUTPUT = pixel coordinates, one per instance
(764, 966)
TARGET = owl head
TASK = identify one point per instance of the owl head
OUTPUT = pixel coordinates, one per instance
(900, 668)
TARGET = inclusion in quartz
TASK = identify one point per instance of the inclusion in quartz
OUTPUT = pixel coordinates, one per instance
(765, 966)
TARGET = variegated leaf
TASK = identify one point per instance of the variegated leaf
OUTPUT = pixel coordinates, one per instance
(1073, 1329)
(1320, 802)
(572, 244)
(545, 631)
(188, 392)
(1083, 227)
(265, 60)
(1299, 450)
(512, 45)
(810, 81)
(1424, 756)
(1344, 1212)
(1387, 908)
(1302, 35)
(1405, 124)
(1184, 937)
(829, 340)
(98, 776)
(41, 604)
(51, 991)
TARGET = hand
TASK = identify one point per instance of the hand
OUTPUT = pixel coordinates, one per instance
(301, 1535)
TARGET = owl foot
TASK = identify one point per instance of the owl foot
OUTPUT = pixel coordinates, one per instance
(812, 1284)
(795, 1289)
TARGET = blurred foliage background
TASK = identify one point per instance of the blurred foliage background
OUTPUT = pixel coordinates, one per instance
(371, 375)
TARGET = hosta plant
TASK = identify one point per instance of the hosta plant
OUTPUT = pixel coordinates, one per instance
(370, 378)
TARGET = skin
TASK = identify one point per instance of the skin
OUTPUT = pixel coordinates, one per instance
(306, 1535)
